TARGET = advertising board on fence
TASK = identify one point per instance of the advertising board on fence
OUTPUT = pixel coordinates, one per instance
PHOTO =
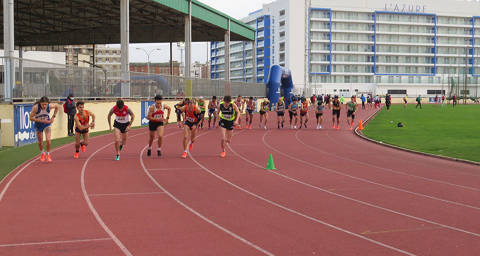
(145, 106)
(23, 128)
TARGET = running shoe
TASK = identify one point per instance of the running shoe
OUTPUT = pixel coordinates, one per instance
(320, 127)
(75, 155)
(117, 158)
(223, 154)
(121, 146)
(338, 127)
(184, 155)
(84, 148)
(250, 127)
(42, 157)
(265, 127)
(294, 127)
(239, 127)
(159, 152)
(190, 147)
(49, 158)
(282, 124)
(333, 127)
(149, 152)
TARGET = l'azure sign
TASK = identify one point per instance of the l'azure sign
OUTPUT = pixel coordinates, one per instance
(413, 8)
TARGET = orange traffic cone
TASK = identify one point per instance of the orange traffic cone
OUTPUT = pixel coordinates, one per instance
(360, 126)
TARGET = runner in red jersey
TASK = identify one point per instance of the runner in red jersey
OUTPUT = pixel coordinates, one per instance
(121, 125)
(190, 126)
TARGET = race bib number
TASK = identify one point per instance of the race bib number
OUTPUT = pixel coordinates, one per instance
(158, 116)
(190, 119)
(227, 116)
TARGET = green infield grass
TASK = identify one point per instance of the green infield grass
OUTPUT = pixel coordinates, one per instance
(446, 131)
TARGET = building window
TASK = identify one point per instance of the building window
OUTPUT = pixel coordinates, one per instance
(282, 12)
(282, 23)
(282, 34)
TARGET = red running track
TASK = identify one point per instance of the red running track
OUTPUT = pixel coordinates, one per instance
(332, 194)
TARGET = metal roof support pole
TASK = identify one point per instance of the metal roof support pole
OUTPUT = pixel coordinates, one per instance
(124, 41)
(20, 73)
(227, 53)
(254, 59)
(9, 47)
(188, 51)
(227, 60)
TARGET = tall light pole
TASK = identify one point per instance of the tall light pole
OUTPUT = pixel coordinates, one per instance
(148, 56)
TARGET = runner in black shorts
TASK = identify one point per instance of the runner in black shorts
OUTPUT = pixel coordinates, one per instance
(179, 113)
(264, 114)
(190, 126)
(280, 107)
(82, 125)
(157, 121)
(351, 109)
(249, 115)
(292, 112)
(121, 125)
(336, 112)
(229, 115)
(212, 109)
(319, 113)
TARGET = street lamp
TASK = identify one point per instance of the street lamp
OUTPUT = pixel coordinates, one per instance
(148, 56)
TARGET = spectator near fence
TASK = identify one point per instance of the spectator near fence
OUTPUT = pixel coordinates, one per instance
(70, 109)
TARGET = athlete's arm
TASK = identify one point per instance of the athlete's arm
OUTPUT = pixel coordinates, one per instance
(92, 125)
(150, 113)
(237, 114)
(109, 119)
(77, 123)
(55, 106)
(165, 120)
(132, 115)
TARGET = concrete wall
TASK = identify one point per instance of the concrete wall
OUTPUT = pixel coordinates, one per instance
(6, 114)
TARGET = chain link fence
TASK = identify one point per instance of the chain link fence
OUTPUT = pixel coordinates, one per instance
(35, 79)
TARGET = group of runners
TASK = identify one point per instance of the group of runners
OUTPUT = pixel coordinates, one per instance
(192, 112)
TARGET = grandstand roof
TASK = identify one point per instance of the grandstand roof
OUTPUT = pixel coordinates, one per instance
(75, 22)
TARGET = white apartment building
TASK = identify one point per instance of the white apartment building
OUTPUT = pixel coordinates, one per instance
(349, 46)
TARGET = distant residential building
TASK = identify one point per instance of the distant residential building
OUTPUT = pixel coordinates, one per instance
(156, 68)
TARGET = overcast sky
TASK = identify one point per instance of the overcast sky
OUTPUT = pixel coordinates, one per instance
(235, 8)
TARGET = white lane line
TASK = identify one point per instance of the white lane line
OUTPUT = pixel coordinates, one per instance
(2, 194)
(245, 241)
(369, 181)
(365, 203)
(382, 168)
(296, 212)
(92, 208)
(126, 194)
(56, 242)
(173, 169)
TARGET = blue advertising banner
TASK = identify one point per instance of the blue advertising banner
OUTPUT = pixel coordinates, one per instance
(145, 106)
(23, 128)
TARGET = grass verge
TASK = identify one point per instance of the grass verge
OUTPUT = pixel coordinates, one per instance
(438, 130)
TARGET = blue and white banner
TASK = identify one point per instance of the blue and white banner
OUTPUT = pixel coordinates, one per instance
(145, 106)
(23, 128)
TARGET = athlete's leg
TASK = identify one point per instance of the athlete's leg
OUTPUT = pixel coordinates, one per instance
(40, 140)
(223, 142)
(117, 137)
(48, 137)
(77, 141)
(186, 136)
(160, 132)
(151, 136)
(193, 133)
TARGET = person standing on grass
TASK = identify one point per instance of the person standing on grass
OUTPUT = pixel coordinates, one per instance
(156, 123)
(70, 110)
(319, 114)
(41, 116)
(405, 101)
(351, 109)
(443, 100)
(121, 125)
(419, 102)
(388, 101)
(264, 114)
(280, 108)
(249, 115)
(336, 112)
(190, 126)
(82, 126)
(454, 100)
(229, 115)
(212, 109)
